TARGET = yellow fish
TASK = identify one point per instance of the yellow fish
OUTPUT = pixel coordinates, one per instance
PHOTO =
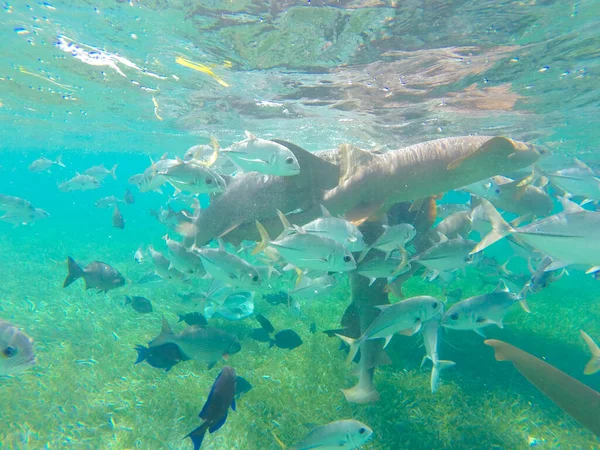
(200, 68)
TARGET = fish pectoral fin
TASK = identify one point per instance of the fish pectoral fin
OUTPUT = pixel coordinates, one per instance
(387, 340)
(480, 333)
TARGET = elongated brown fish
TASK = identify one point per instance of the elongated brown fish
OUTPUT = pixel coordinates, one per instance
(575, 398)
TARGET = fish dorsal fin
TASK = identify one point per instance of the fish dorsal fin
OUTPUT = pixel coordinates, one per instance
(569, 207)
(165, 328)
(315, 172)
(249, 135)
(581, 164)
(501, 287)
(221, 244)
(164, 156)
(492, 145)
(351, 158)
(286, 223)
(442, 237)
(324, 211)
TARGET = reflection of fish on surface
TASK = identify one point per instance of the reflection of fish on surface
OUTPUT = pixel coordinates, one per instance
(575, 398)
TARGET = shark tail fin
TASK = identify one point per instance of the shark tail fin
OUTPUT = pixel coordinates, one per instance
(354, 346)
(593, 364)
(265, 239)
(500, 228)
(436, 371)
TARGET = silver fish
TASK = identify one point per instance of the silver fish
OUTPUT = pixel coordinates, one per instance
(430, 333)
(24, 216)
(100, 172)
(340, 230)
(405, 317)
(346, 434)
(259, 155)
(43, 164)
(16, 349)
(108, 202)
(309, 288)
(515, 196)
(569, 237)
(579, 180)
(79, 183)
(184, 260)
(382, 268)
(392, 238)
(447, 255)
(190, 176)
(236, 306)
(163, 268)
(231, 269)
(308, 251)
(482, 310)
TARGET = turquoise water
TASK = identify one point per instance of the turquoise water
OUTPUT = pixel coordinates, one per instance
(379, 75)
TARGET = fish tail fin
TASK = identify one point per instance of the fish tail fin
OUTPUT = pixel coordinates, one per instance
(500, 228)
(143, 353)
(113, 171)
(436, 371)
(279, 442)
(354, 346)
(216, 148)
(197, 436)
(74, 272)
(593, 364)
(265, 239)
(59, 162)
(128, 300)
(404, 259)
(523, 303)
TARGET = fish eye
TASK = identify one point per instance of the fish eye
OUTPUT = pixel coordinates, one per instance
(347, 258)
(362, 431)
(289, 160)
(255, 278)
(454, 316)
(497, 190)
(209, 181)
(435, 305)
(9, 351)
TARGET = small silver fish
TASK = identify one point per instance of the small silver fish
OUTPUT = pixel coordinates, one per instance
(100, 172)
(79, 183)
(43, 164)
(346, 434)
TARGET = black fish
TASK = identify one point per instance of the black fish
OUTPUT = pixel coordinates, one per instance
(214, 412)
(264, 322)
(162, 357)
(241, 386)
(139, 304)
(313, 328)
(96, 275)
(117, 219)
(129, 198)
(281, 298)
(287, 339)
(260, 335)
(194, 318)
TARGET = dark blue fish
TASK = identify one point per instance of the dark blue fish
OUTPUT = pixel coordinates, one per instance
(265, 323)
(139, 304)
(287, 339)
(194, 318)
(241, 386)
(214, 412)
(162, 357)
(281, 298)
